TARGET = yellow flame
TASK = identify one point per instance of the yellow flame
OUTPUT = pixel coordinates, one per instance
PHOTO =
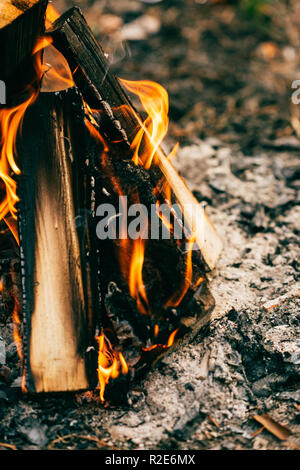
(177, 297)
(51, 15)
(155, 101)
(136, 285)
(110, 364)
(163, 346)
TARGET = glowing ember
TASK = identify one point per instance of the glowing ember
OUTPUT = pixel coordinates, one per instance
(17, 325)
(172, 338)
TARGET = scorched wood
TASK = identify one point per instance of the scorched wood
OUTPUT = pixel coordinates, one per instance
(22, 22)
(57, 272)
(120, 122)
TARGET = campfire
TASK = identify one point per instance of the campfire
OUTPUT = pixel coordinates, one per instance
(114, 248)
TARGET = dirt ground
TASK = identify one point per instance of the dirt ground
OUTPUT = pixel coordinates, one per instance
(228, 69)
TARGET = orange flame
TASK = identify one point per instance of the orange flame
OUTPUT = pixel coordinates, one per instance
(200, 280)
(42, 43)
(155, 101)
(172, 338)
(145, 147)
(58, 75)
(57, 72)
(163, 346)
(11, 120)
(110, 364)
(133, 248)
(175, 300)
(167, 223)
(13, 227)
(136, 285)
(16, 331)
(51, 15)
(10, 124)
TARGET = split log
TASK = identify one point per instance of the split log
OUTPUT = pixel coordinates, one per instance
(120, 122)
(59, 301)
(21, 23)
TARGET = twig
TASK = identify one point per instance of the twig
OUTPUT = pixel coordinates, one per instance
(281, 432)
(258, 431)
(99, 442)
(8, 446)
(213, 421)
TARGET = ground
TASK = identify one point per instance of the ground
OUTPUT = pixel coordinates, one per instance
(228, 69)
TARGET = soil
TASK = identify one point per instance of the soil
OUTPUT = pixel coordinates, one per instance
(229, 72)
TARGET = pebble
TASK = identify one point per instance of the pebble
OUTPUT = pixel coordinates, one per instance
(140, 28)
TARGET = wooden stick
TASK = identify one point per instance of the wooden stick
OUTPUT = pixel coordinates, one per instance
(58, 311)
(120, 122)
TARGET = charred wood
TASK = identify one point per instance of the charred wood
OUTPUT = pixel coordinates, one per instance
(21, 24)
(119, 122)
(59, 300)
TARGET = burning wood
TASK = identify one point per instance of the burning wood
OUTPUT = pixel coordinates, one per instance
(21, 23)
(82, 150)
(120, 123)
(58, 304)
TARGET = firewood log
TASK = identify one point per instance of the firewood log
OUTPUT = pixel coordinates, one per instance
(120, 122)
(58, 274)
(22, 22)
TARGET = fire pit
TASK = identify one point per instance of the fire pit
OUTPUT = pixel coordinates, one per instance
(112, 301)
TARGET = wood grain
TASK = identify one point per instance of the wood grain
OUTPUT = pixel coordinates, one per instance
(56, 294)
